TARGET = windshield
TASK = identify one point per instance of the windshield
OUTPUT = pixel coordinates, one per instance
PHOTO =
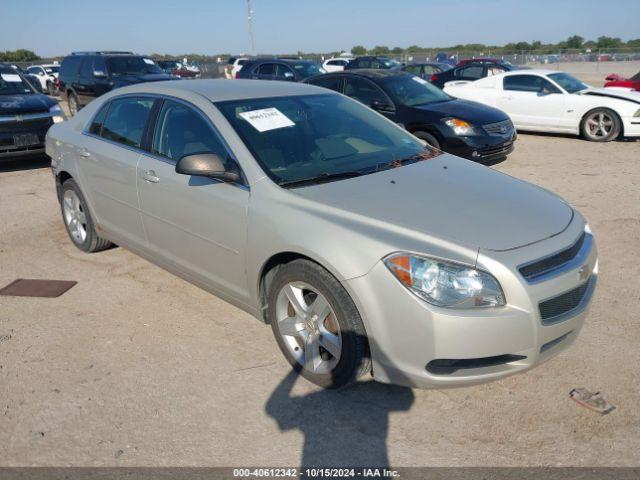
(11, 83)
(391, 63)
(569, 83)
(128, 65)
(308, 69)
(305, 138)
(411, 90)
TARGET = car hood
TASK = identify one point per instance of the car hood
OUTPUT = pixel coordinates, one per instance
(451, 199)
(25, 103)
(611, 93)
(123, 80)
(467, 110)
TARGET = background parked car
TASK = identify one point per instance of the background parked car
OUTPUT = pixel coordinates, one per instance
(460, 127)
(25, 115)
(470, 72)
(372, 62)
(279, 69)
(617, 81)
(47, 75)
(483, 60)
(85, 76)
(233, 66)
(335, 64)
(426, 70)
(176, 68)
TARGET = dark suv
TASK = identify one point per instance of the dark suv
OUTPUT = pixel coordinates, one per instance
(87, 75)
(371, 61)
(279, 69)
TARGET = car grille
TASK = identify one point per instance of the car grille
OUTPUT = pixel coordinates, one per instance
(27, 125)
(533, 270)
(502, 149)
(498, 128)
(562, 304)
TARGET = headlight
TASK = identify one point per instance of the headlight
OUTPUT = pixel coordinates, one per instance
(460, 127)
(445, 284)
(57, 115)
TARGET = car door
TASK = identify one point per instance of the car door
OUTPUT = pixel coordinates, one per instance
(532, 101)
(108, 159)
(367, 92)
(197, 225)
(470, 73)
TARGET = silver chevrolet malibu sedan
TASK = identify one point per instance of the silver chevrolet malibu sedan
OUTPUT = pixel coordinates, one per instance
(365, 250)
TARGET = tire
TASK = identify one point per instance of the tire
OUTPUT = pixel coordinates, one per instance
(339, 327)
(74, 107)
(600, 125)
(77, 219)
(427, 137)
(51, 89)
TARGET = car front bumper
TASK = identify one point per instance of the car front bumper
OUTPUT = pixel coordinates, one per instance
(417, 344)
(12, 131)
(482, 148)
(631, 127)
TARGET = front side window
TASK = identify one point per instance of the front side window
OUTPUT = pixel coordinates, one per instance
(308, 69)
(126, 120)
(364, 91)
(413, 91)
(181, 131)
(282, 71)
(327, 81)
(312, 138)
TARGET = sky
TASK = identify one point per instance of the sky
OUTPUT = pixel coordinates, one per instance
(56, 27)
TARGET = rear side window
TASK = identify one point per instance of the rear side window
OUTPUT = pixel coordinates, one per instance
(267, 69)
(180, 131)
(70, 65)
(327, 81)
(98, 120)
(126, 120)
(474, 72)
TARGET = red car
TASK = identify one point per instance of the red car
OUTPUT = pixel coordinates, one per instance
(615, 80)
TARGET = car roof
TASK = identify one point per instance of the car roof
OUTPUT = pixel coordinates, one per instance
(376, 73)
(219, 90)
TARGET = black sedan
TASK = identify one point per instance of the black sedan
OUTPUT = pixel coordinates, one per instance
(372, 61)
(25, 116)
(470, 71)
(467, 129)
(279, 69)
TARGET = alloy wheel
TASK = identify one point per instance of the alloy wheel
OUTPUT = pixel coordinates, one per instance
(309, 327)
(74, 216)
(599, 125)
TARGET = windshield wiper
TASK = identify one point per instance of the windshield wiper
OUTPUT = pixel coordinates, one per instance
(323, 177)
(426, 154)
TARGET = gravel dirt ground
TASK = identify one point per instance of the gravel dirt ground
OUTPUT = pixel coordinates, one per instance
(134, 366)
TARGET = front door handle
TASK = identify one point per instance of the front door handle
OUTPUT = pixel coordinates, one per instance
(150, 176)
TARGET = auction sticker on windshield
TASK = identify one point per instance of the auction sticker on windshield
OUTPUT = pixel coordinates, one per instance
(267, 119)
(11, 77)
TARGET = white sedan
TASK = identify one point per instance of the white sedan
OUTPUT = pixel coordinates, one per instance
(553, 101)
(335, 64)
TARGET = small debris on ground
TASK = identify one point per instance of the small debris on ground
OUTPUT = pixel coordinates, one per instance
(594, 401)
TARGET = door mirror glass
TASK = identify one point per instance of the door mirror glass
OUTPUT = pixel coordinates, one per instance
(99, 74)
(208, 165)
(381, 106)
(288, 75)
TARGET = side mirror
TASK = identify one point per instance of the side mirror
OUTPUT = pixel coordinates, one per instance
(41, 73)
(288, 75)
(99, 74)
(208, 165)
(382, 106)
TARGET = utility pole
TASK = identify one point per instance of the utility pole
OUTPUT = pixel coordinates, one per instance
(250, 20)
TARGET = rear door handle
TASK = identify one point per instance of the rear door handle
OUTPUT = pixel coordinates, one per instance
(150, 176)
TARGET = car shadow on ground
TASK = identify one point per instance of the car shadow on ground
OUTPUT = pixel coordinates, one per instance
(16, 165)
(347, 427)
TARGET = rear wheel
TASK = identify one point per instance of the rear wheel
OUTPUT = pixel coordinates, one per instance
(427, 137)
(600, 125)
(51, 90)
(73, 104)
(78, 221)
(317, 326)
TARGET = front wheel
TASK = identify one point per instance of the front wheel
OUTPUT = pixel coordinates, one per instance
(600, 125)
(73, 104)
(317, 326)
(427, 137)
